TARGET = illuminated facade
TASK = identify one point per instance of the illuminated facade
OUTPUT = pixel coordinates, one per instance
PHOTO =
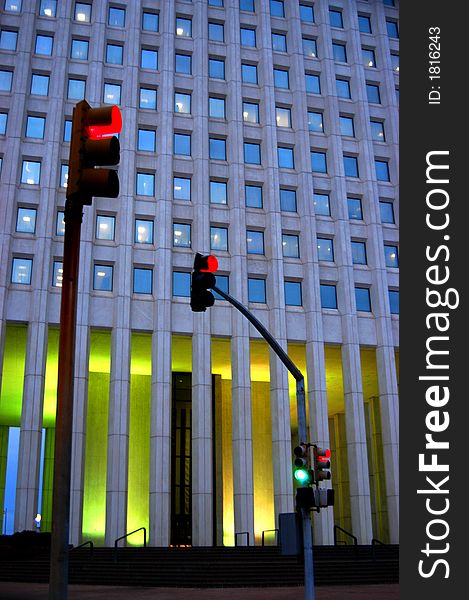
(265, 133)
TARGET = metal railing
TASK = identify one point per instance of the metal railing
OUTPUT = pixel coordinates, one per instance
(375, 542)
(122, 537)
(348, 534)
(246, 533)
(269, 530)
(87, 543)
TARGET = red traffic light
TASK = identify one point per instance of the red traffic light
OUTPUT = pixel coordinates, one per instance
(212, 264)
(103, 122)
(325, 457)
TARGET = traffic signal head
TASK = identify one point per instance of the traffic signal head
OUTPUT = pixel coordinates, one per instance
(302, 470)
(322, 464)
(91, 146)
(202, 280)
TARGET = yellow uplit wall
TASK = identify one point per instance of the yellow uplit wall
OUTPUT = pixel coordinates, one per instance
(14, 358)
(50, 386)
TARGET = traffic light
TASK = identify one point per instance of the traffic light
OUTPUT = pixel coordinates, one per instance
(92, 146)
(305, 498)
(302, 472)
(321, 464)
(203, 279)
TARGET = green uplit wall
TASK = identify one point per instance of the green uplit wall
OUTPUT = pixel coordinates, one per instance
(50, 386)
(14, 358)
(139, 437)
(48, 480)
(94, 498)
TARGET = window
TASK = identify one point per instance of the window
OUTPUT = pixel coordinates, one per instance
(283, 116)
(281, 79)
(276, 8)
(364, 24)
(256, 290)
(287, 200)
(286, 159)
(362, 299)
(355, 209)
(392, 29)
(377, 131)
(318, 162)
(149, 59)
(63, 176)
(359, 253)
(394, 301)
(321, 204)
(310, 48)
(143, 280)
(391, 256)
(219, 238)
(183, 27)
(39, 84)
(325, 249)
(247, 5)
(253, 196)
(146, 140)
(182, 103)
(60, 224)
(183, 64)
(112, 93)
(67, 130)
(26, 220)
(388, 2)
(343, 88)
(79, 50)
(31, 172)
(372, 93)
(217, 149)
(182, 188)
(279, 42)
(57, 273)
(339, 52)
(8, 39)
(147, 99)
(102, 279)
(181, 235)
(3, 123)
(369, 59)
(218, 192)
(6, 78)
(290, 246)
(312, 84)
(116, 17)
(252, 153)
(35, 127)
(248, 37)
(293, 293)
(216, 68)
(105, 227)
(182, 144)
(255, 242)
(346, 126)
(328, 295)
(216, 108)
(76, 89)
(48, 8)
(44, 44)
(21, 271)
(351, 166)
(216, 32)
(222, 282)
(306, 13)
(335, 18)
(145, 184)
(82, 12)
(249, 73)
(143, 231)
(13, 5)
(382, 170)
(114, 54)
(250, 112)
(395, 61)
(150, 21)
(181, 284)
(218, 3)
(386, 210)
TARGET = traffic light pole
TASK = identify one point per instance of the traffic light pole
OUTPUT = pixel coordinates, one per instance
(302, 430)
(58, 580)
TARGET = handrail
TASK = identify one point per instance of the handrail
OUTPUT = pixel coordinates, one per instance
(88, 543)
(337, 528)
(267, 530)
(122, 537)
(375, 542)
(241, 533)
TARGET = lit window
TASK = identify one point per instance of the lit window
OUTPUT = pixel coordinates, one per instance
(368, 57)
(346, 126)
(8, 39)
(79, 50)
(76, 89)
(250, 112)
(181, 235)
(6, 79)
(218, 192)
(217, 149)
(394, 301)
(372, 93)
(149, 59)
(276, 8)
(325, 249)
(377, 131)
(102, 279)
(116, 17)
(3, 123)
(216, 68)
(391, 256)
(364, 24)
(252, 153)
(321, 204)
(181, 188)
(183, 64)
(362, 299)
(255, 242)
(48, 8)
(26, 220)
(290, 246)
(63, 176)
(339, 52)
(145, 184)
(182, 144)
(143, 281)
(247, 5)
(355, 209)
(287, 200)
(57, 274)
(35, 127)
(286, 159)
(281, 79)
(150, 21)
(216, 108)
(143, 231)
(183, 27)
(335, 18)
(216, 32)
(44, 44)
(310, 48)
(219, 238)
(182, 103)
(249, 73)
(382, 170)
(318, 162)
(343, 88)
(253, 196)
(82, 12)
(293, 293)
(105, 227)
(21, 271)
(312, 83)
(359, 253)
(351, 166)
(279, 42)
(392, 29)
(147, 98)
(146, 140)
(282, 116)
(315, 122)
(13, 5)
(328, 295)
(248, 37)
(112, 93)
(256, 290)
(114, 54)
(39, 84)
(60, 224)
(307, 13)
(181, 284)
(31, 172)
(386, 210)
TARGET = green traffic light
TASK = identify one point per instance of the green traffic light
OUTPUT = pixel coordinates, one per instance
(301, 475)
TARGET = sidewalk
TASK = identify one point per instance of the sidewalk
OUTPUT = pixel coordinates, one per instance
(39, 591)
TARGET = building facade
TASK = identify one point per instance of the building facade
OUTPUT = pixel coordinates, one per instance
(266, 133)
